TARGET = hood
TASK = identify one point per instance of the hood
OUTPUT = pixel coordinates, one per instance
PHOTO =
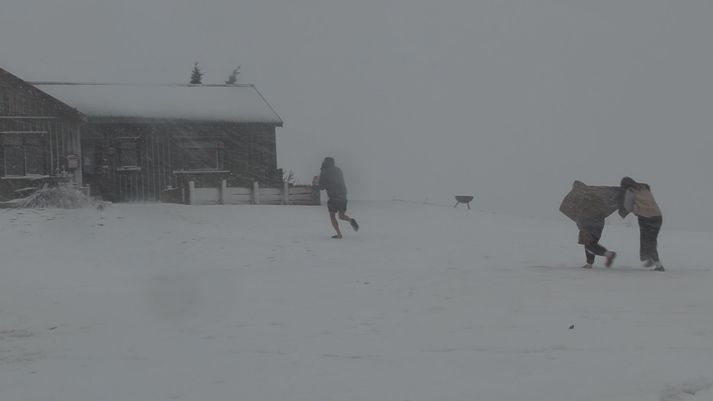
(627, 182)
(328, 162)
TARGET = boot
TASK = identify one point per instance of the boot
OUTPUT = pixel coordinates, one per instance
(610, 256)
(659, 267)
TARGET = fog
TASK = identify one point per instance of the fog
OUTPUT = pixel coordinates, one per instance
(509, 101)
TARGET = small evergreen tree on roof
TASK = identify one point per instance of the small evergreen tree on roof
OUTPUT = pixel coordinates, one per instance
(196, 75)
(233, 78)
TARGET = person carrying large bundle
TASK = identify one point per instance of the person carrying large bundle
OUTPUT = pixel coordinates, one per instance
(589, 206)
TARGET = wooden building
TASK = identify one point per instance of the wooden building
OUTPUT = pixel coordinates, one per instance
(39, 138)
(146, 142)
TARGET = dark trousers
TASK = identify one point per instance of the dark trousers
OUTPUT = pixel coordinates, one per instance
(589, 235)
(649, 228)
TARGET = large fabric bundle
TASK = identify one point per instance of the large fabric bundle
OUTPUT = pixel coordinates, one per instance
(586, 203)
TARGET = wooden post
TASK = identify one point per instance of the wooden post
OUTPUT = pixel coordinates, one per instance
(285, 193)
(316, 199)
(256, 193)
(221, 191)
(191, 192)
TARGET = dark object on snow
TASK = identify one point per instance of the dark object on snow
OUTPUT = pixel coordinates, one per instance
(463, 199)
(571, 327)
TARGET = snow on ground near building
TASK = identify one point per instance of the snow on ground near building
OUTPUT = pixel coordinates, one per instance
(173, 302)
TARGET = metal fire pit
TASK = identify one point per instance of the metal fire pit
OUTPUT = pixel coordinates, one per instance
(463, 199)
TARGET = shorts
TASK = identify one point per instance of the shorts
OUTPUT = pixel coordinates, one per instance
(337, 205)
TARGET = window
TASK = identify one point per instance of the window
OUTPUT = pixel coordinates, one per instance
(24, 153)
(5, 105)
(128, 152)
(201, 154)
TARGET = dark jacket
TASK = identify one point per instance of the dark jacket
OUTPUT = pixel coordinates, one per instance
(587, 205)
(332, 180)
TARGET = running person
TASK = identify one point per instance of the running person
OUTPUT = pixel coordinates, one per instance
(332, 180)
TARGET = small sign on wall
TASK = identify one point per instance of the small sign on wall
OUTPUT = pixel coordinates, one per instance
(72, 162)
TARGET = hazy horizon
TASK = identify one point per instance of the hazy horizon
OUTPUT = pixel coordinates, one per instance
(510, 101)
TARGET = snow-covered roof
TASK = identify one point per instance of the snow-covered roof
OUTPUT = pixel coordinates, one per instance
(228, 103)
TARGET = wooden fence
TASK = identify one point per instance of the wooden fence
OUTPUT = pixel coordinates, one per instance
(287, 195)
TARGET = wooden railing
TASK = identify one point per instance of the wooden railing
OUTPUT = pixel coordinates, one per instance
(223, 194)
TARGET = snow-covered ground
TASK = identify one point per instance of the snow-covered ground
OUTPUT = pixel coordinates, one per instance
(425, 303)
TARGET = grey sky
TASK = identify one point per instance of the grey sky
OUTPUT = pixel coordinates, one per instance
(507, 100)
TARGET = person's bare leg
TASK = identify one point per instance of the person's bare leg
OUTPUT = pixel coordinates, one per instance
(335, 224)
(345, 217)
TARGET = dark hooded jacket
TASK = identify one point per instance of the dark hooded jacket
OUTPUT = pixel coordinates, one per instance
(587, 205)
(332, 180)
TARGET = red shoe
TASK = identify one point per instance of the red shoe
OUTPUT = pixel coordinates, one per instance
(610, 255)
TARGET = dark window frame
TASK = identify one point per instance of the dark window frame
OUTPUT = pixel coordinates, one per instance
(5, 105)
(201, 154)
(30, 151)
(128, 152)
